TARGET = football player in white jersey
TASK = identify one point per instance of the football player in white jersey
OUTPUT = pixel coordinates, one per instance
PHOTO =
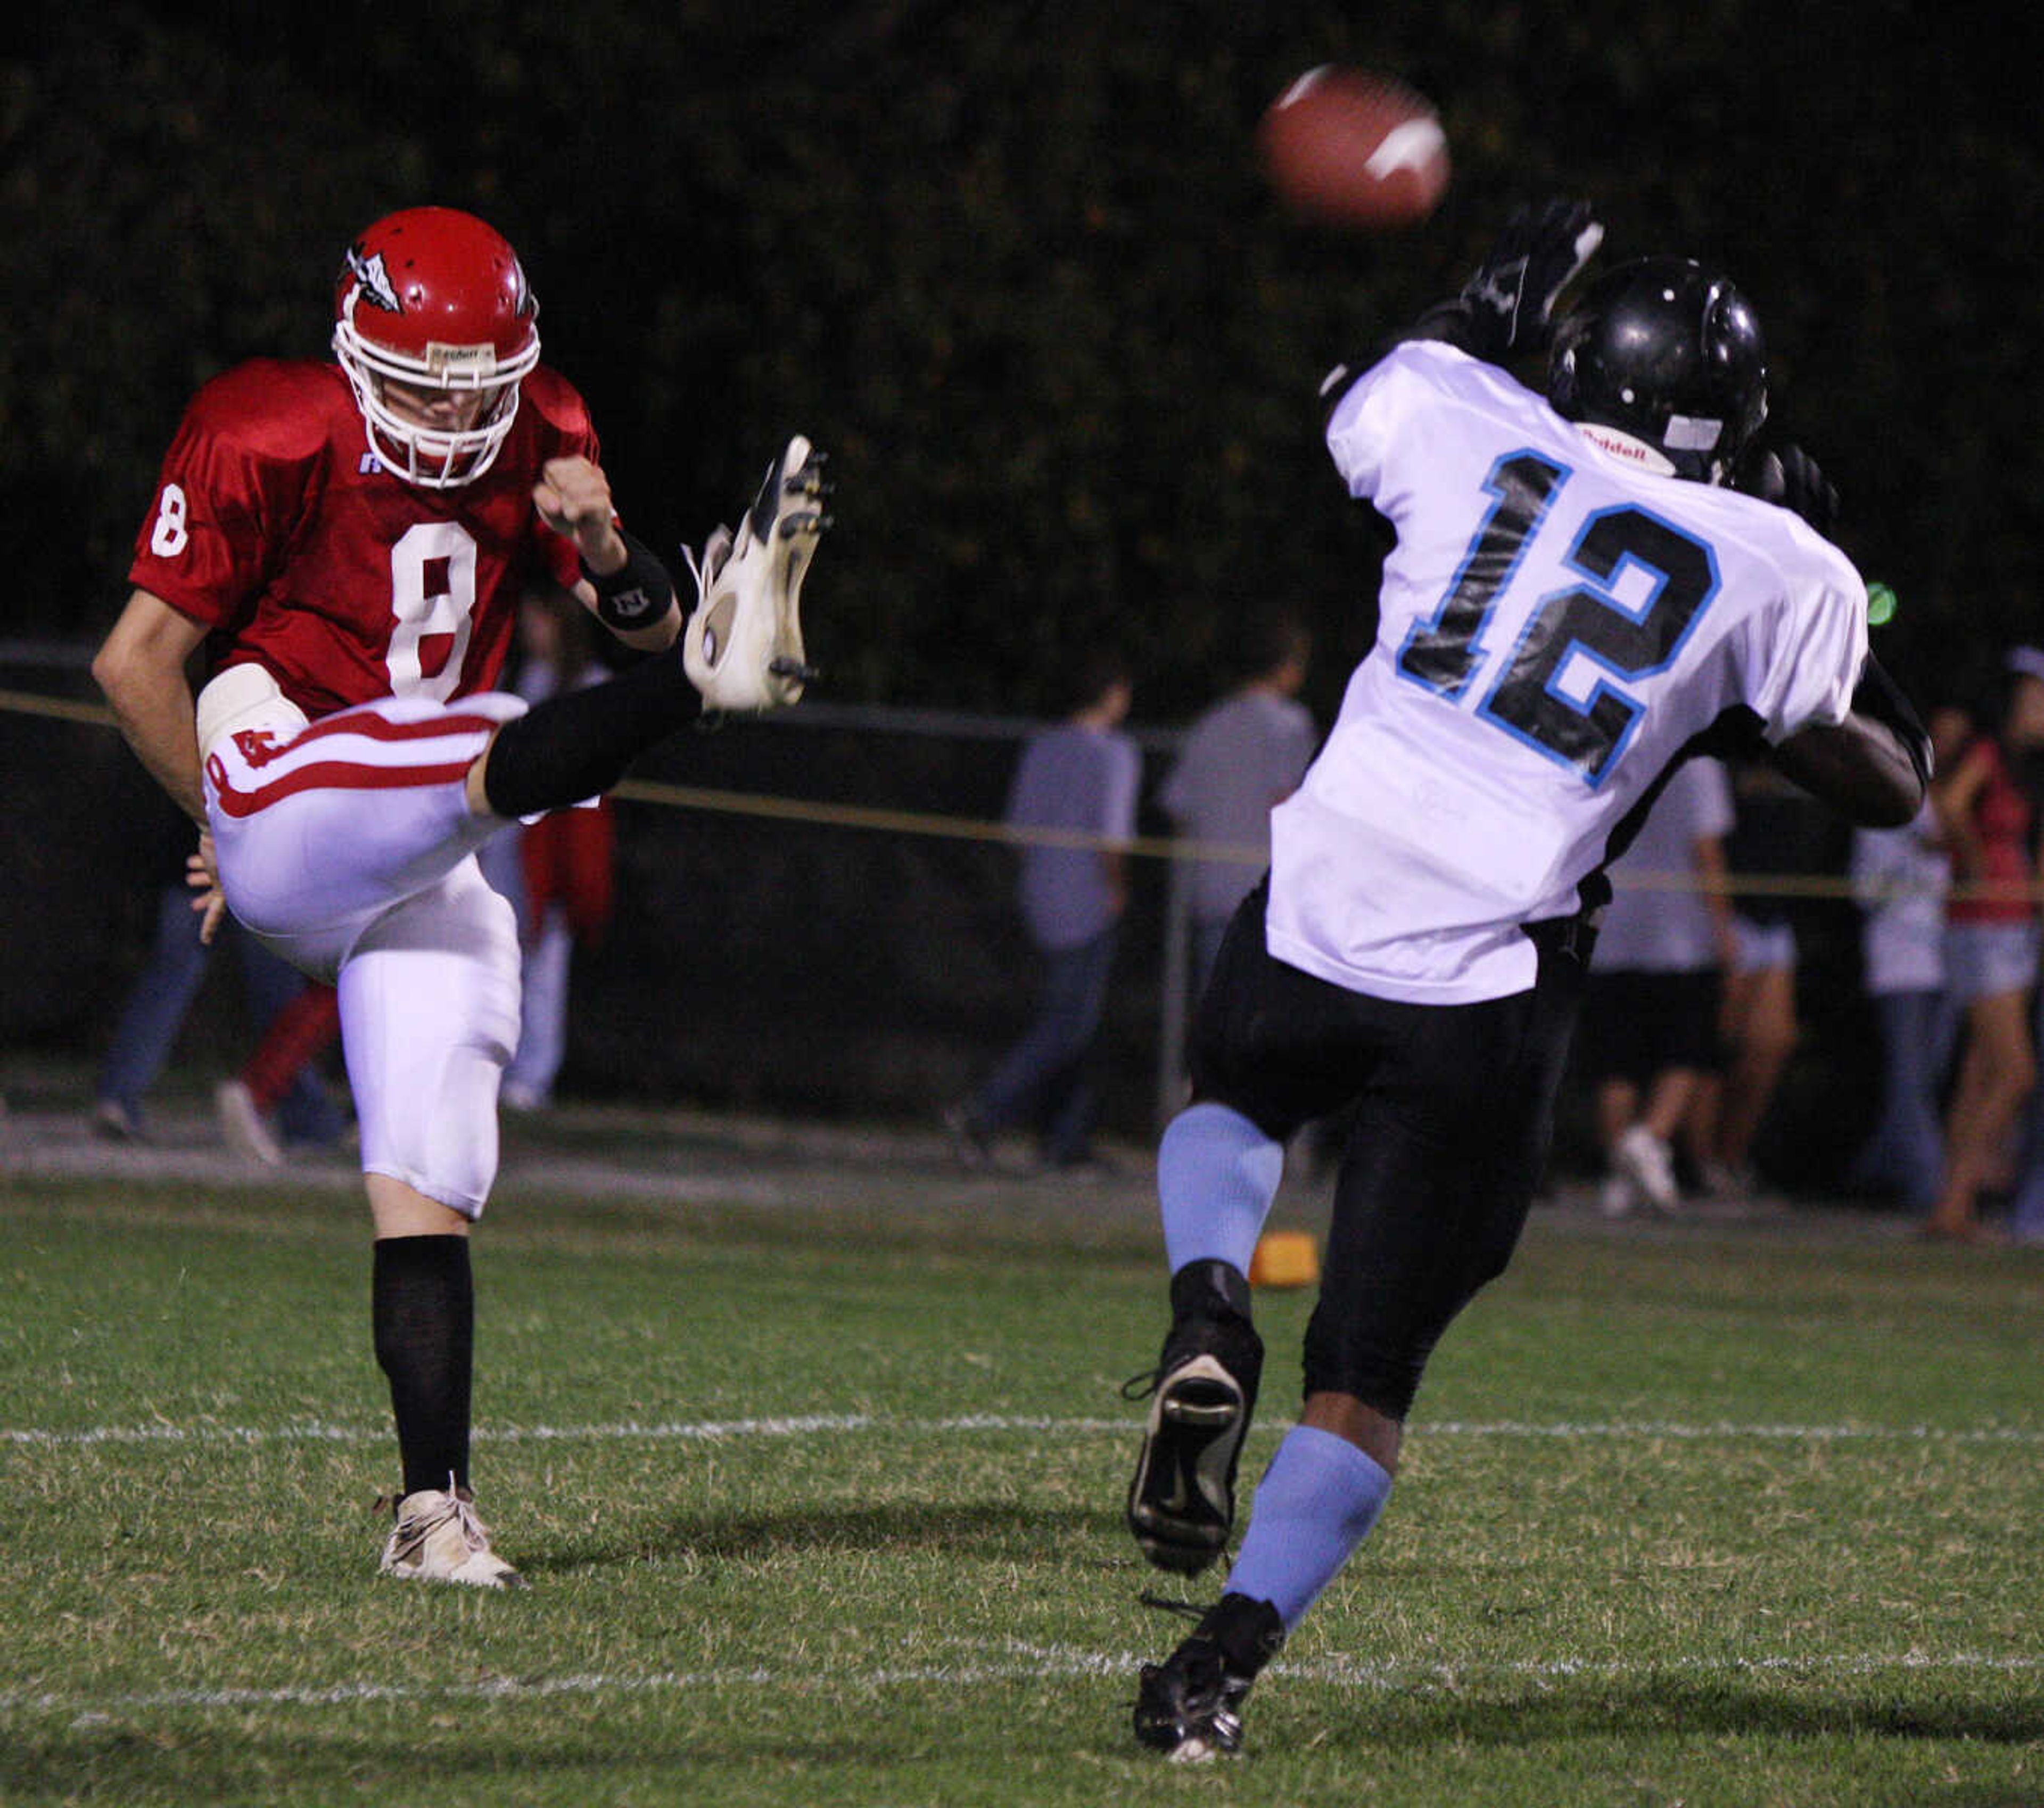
(1579, 598)
(348, 541)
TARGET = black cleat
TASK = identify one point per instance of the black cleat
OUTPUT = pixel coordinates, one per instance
(1203, 1392)
(1189, 1706)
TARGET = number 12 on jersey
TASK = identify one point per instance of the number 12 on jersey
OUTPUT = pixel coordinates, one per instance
(1445, 653)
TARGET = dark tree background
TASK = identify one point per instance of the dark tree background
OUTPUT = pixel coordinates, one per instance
(1011, 262)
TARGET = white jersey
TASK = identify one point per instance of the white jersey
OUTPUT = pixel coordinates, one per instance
(1555, 623)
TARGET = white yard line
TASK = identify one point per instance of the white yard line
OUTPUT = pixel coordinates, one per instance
(969, 1424)
(1005, 1661)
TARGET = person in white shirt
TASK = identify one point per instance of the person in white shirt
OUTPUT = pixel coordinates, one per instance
(1577, 600)
(1650, 1022)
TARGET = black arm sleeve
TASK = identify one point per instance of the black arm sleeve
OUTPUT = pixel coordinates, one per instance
(1880, 698)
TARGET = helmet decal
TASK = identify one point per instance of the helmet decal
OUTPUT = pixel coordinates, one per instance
(372, 281)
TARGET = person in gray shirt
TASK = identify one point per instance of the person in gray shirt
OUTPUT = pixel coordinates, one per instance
(1245, 754)
(1080, 778)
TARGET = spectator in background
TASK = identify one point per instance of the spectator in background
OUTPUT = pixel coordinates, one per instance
(1778, 831)
(1649, 1021)
(1245, 755)
(1899, 877)
(251, 1105)
(1990, 956)
(556, 871)
(2023, 731)
(1077, 781)
(287, 1008)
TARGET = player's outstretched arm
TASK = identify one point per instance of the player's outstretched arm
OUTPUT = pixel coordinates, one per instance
(1507, 306)
(140, 667)
(1875, 765)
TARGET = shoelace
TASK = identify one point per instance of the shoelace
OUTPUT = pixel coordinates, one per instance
(716, 549)
(1141, 1387)
(414, 1531)
(475, 1533)
(1185, 1610)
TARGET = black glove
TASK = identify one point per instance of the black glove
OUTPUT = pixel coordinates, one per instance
(1788, 476)
(1505, 305)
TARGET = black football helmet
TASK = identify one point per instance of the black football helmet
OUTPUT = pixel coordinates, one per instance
(1669, 351)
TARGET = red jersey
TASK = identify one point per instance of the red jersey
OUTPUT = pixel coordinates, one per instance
(279, 529)
(2001, 819)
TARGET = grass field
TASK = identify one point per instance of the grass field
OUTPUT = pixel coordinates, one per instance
(820, 1496)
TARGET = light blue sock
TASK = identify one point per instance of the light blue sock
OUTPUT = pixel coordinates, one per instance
(1216, 1175)
(1316, 1502)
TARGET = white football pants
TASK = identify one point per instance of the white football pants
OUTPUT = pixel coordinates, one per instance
(347, 846)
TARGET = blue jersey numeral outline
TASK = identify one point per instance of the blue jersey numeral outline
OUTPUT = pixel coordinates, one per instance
(1627, 641)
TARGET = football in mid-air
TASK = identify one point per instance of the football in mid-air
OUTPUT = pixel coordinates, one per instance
(1354, 148)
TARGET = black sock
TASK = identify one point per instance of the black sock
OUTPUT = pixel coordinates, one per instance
(578, 743)
(1210, 1290)
(422, 1301)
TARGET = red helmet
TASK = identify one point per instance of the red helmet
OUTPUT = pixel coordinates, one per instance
(434, 301)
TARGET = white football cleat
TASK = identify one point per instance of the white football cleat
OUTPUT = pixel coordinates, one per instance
(439, 1538)
(742, 647)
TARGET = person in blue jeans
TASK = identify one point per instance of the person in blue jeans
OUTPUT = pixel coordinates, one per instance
(162, 995)
(1078, 778)
(1899, 877)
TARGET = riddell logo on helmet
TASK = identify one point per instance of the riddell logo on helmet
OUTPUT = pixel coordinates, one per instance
(372, 281)
(460, 360)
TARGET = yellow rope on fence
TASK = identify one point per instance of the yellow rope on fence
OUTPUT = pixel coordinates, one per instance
(712, 801)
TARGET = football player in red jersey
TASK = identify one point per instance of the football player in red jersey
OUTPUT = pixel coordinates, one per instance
(348, 543)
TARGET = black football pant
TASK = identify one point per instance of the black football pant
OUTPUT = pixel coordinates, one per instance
(1452, 1109)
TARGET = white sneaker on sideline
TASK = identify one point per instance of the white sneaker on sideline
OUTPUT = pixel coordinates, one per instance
(1648, 1163)
(439, 1538)
(247, 1131)
(117, 1123)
